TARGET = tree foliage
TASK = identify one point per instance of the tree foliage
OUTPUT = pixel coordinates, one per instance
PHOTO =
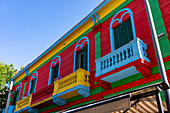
(22, 67)
(3, 97)
(6, 73)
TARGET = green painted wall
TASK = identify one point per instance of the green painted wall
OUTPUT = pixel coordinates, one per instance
(97, 46)
(160, 27)
(24, 89)
(157, 17)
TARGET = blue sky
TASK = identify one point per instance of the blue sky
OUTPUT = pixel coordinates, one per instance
(29, 27)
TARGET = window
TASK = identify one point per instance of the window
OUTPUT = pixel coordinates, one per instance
(81, 58)
(54, 70)
(33, 82)
(81, 54)
(16, 94)
(124, 32)
(15, 97)
(33, 86)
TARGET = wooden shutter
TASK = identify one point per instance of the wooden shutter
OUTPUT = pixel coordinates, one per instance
(117, 37)
(56, 70)
(127, 32)
(33, 86)
(123, 34)
(52, 76)
(15, 97)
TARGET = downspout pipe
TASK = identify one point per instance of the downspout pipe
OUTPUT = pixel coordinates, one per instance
(158, 53)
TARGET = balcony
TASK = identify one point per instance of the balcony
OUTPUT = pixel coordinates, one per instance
(126, 54)
(42, 96)
(73, 84)
(11, 109)
(24, 105)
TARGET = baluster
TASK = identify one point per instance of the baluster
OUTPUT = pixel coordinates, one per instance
(117, 58)
(128, 53)
(104, 64)
(121, 57)
(110, 61)
(101, 65)
(124, 54)
(113, 60)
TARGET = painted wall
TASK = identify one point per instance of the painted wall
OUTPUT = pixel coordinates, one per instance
(142, 32)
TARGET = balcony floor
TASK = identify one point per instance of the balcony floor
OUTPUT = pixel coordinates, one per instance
(121, 74)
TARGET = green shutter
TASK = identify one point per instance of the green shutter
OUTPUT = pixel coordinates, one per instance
(127, 32)
(117, 37)
(53, 73)
(15, 97)
(123, 34)
(56, 70)
(33, 86)
(97, 46)
(24, 89)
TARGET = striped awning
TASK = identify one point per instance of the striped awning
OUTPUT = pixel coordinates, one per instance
(145, 105)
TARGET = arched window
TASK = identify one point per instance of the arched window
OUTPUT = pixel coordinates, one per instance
(54, 70)
(81, 54)
(124, 31)
(16, 94)
(33, 83)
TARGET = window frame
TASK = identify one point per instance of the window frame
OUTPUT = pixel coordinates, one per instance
(121, 30)
(55, 61)
(83, 41)
(18, 90)
(81, 62)
(114, 19)
(33, 77)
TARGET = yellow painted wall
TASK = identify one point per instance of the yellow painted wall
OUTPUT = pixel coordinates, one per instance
(22, 75)
(113, 4)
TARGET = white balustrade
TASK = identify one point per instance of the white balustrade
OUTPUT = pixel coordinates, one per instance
(128, 53)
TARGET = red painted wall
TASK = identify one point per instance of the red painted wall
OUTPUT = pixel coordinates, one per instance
(142, 32)
(67, 56)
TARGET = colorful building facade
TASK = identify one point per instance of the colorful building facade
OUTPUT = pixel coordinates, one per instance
(107, 54)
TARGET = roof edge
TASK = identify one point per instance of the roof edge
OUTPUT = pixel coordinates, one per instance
(63, 37)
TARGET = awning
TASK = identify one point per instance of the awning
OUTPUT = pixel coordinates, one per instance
(144, 105)
(142, 100)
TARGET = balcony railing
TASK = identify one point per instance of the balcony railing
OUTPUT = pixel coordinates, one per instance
(11, 109)
(42, 96)
(128, 53)
(24, 103)
(71, 85)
